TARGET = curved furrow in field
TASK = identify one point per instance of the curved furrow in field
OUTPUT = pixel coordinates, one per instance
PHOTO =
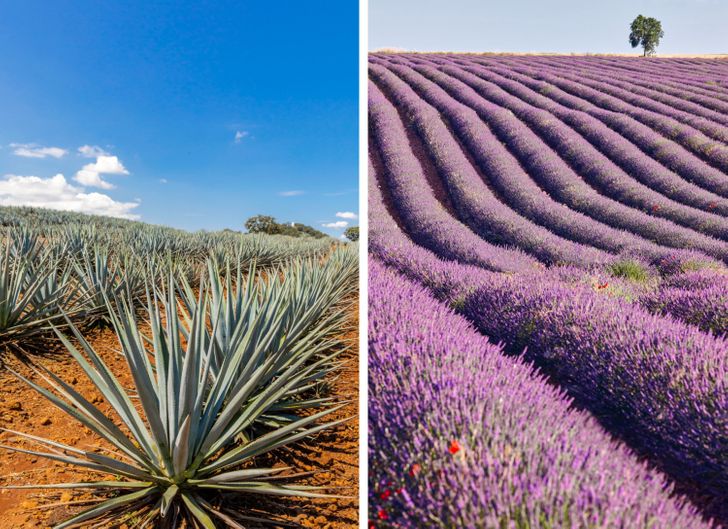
(596, 169)
(670, 154)
(695, 64)
(476, 205)
(558, 179)
(630, 158)
(423, 214)
(688, 111)
(711, 151)
(710, 71)
(711, 98)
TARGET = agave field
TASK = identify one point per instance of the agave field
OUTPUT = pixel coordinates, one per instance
(203, 363)
(548, 292)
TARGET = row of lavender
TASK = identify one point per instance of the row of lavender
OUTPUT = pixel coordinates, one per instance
(657, 383)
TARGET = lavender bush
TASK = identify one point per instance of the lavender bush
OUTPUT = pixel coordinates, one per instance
(700, 298)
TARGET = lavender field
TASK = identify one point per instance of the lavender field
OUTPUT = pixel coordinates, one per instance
(548, 299)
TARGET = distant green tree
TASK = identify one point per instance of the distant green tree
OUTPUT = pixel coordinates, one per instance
(262, 224)
(352, 233)
(646, 32)
(269, 225)
(303, 229)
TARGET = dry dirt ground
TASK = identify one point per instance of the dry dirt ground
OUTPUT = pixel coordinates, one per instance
(333, 454)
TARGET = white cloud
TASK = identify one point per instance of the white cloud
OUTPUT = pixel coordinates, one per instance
(346, 214)
(33, 150)
(92, 151)
(90, 174)
(57, 193)
(338, 224)
(293, 193)
(163, 181)
(240, 134)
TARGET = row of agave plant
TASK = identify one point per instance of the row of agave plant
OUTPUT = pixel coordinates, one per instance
(229, 363)
(47, 271)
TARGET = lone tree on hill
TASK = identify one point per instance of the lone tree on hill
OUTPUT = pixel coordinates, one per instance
(352, 233)
(646, 32)
(262, 224)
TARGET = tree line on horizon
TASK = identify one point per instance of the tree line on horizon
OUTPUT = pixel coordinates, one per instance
(269, 225)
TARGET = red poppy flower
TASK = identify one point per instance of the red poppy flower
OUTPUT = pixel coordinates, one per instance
(386, 494)
(604, 285)
(382, 514)
(415, 470)
(454, 447)
(399, 490)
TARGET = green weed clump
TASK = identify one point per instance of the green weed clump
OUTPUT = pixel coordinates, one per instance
(632, 270)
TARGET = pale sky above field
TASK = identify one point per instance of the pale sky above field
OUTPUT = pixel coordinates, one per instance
(190, 114)
(564, 26)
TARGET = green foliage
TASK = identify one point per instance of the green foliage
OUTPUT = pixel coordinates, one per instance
(352, 233)
(262, 224)
(269, 225)
(646, 32)
(296, 229)
(631, 270)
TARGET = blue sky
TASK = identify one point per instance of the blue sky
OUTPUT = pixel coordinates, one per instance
(691, 26)
(199, 114)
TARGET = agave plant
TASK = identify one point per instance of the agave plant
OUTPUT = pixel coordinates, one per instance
(190, 440)
(77, 239)
(31, 295)
(26, 243)
(294, 311)
(103, 277)
(299, 298)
